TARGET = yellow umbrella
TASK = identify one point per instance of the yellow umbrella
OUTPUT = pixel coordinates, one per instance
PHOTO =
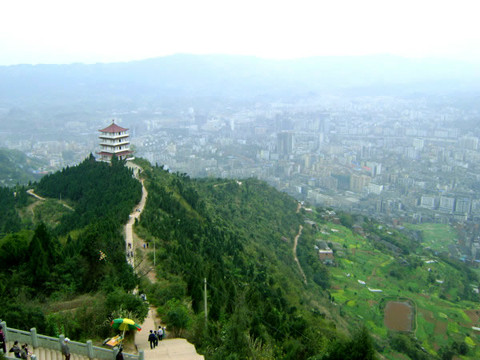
(125, 324)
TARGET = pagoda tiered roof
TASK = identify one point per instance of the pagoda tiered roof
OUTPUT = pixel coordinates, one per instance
(113, 128)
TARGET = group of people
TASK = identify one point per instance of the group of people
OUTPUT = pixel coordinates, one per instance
(23, 352)
(155, 336)
(19, 352)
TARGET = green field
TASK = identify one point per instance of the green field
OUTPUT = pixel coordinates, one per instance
(436, 236)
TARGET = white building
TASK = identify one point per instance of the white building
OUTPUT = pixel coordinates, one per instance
(114, 140)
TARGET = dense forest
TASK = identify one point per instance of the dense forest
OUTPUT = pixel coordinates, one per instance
(42, 265)
(238, 235)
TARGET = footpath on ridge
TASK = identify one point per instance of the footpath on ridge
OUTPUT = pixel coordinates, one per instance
(170, 349)
(295, 243)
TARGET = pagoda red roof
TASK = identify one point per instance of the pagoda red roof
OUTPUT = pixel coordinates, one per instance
(113, 128)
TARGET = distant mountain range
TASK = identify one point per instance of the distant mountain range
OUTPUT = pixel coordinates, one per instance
(232, 77)
(17, 168)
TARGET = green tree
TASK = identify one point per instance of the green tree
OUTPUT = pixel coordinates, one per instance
(360, 347)
(177, 317)
(42, 257)
(346, 220)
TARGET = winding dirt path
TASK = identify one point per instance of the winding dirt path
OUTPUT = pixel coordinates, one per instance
(295, 243)
(38, 197)
(31, 193)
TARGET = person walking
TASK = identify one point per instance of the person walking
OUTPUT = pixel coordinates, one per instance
(151, 339)
(66, 349)
(160, 333)
(3, 343)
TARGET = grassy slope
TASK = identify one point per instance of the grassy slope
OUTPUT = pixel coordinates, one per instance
(49, 211)
(436, 236)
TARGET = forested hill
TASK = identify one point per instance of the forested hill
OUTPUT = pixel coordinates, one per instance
(239, 235)
(97, 189)
(54, 252)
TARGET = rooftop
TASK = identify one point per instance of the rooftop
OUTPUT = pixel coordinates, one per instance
(113, 128)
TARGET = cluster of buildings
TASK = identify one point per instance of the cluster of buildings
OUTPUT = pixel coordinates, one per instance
(389, 159)
(399, 159)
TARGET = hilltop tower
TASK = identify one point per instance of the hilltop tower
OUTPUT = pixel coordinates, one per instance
(114, 140)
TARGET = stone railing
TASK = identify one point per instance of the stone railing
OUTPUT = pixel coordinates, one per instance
(85, 349)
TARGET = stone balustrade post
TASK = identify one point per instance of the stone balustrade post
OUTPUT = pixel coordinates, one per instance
(33, 334)
(115, 352)
(5, 330)
(90, 349)
(141, 355)
(60, 341)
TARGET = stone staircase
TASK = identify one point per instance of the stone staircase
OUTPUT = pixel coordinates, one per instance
(46, 354)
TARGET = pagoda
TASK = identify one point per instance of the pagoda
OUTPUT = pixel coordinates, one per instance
(114, 141)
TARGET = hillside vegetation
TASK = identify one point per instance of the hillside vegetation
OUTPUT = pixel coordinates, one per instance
(238, 235)
(63, 269)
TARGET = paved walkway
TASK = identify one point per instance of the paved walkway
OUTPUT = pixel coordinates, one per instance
(169, 349)
(129, 246)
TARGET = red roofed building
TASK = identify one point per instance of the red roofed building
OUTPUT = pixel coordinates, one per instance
(114, 141)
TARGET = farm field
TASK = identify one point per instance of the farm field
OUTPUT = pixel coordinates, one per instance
(365, 279)
(399, 315)
(436, 236)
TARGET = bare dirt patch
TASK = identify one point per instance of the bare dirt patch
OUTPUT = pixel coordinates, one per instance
(398, 316)
(427, 315)
(441, 327)
(474, 315)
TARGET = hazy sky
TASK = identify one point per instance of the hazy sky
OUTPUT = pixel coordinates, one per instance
(64, 31)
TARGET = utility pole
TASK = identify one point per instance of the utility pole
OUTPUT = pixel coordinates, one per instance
(205, 297)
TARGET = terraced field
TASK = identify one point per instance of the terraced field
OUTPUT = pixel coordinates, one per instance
(366, 279)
